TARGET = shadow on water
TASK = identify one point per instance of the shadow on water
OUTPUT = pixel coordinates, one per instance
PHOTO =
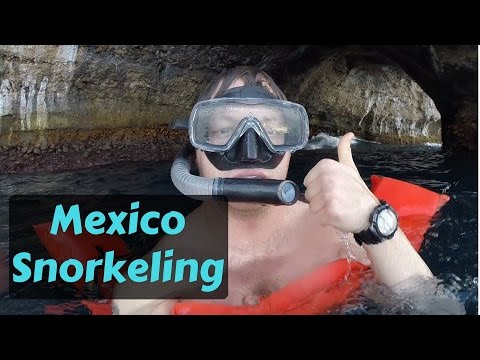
(450, 248)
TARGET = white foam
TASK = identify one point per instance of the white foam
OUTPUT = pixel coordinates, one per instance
(433, 144)
(325, 141)
(322, 141)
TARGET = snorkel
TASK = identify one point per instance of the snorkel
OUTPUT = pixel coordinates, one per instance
(268, 191)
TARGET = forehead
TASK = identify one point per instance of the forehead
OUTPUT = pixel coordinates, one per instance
(244, 110)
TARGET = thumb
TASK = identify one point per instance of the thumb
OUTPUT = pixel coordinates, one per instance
(345, 152)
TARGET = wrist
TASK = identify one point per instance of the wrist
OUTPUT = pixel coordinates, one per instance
(382, 225)
(370, 207)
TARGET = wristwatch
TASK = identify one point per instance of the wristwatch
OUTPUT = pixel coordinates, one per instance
(383, 225)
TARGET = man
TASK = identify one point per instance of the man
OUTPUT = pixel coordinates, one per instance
(237, 136)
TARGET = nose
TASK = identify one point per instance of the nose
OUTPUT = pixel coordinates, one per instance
(249, 148)
(249, 145)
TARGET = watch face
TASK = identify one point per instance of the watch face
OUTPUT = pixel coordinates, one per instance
(386, 222)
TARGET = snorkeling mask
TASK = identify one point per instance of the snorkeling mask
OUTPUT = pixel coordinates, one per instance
(245, 128)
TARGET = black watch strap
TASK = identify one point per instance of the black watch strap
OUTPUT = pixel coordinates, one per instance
(366, 237)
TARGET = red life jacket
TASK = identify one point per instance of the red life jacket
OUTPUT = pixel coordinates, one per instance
(318, 292)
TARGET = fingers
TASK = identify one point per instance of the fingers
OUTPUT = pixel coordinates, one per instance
(345, 151)
(328, 166)
(317, 204)
(323, 166)
(323, 182)
(344, 157)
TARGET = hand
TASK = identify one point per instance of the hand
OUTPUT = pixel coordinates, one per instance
(337, 194)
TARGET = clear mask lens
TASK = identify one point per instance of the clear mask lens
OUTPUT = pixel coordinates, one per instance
(215, 125)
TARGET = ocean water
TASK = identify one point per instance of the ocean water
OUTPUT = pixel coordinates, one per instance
(451, 244)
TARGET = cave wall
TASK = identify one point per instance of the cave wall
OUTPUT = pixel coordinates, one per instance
(55, 96)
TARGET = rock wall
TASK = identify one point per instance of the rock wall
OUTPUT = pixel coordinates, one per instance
(112, 100)
(376, 102)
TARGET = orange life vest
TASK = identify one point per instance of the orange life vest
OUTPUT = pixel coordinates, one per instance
(315, 293)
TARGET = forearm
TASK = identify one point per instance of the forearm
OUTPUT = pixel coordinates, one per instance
(413, 287)
(395, 260)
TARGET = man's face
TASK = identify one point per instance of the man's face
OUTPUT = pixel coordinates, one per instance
(208, 170)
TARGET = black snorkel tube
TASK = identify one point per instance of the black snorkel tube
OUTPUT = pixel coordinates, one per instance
(267, 191)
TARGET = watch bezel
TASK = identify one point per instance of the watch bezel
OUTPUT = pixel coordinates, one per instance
(372, 234)
(384, 206)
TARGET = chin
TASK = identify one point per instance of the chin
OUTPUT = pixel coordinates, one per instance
(245, 207)
(254, 173)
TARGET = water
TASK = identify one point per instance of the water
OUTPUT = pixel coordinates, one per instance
(450, 248)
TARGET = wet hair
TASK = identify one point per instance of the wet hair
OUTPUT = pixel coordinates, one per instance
(243, 75)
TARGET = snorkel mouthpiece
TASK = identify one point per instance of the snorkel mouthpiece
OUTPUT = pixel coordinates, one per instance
(267, 191)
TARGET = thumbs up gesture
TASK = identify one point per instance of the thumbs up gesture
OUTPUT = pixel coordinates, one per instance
(337, 194)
